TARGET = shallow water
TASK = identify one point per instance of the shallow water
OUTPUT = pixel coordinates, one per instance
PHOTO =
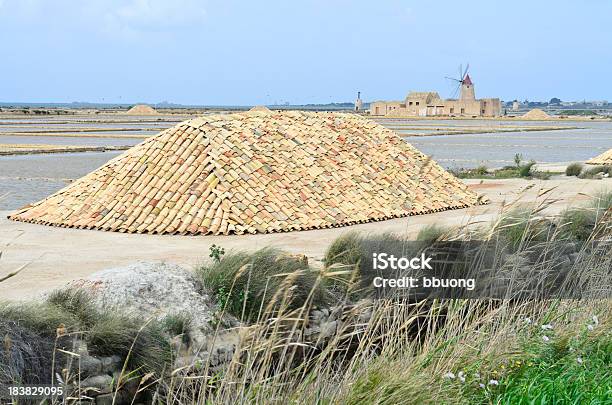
(29, 178)
(499, 149)
(69, 140)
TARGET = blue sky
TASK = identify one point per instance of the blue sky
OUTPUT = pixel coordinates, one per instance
(259, 52)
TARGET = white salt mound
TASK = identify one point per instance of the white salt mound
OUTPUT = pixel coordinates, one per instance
(260, 108)
(142, 109)
(536, 114)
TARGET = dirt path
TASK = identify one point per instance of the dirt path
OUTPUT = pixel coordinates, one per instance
(57, 255)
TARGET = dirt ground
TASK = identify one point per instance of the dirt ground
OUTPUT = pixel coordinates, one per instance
(55, 256)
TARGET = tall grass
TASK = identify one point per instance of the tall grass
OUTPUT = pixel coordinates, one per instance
(440, 351)
(378, 350)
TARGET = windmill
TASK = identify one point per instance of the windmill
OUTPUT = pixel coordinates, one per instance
(462, 78)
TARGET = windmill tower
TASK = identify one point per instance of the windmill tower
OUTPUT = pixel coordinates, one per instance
(467, 89)
(464, 83)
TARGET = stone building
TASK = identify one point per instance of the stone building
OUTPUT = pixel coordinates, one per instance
(358, 103)
(426, 104)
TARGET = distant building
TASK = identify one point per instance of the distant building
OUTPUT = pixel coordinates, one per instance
(358, 102)
(515, 105)
(426, 104)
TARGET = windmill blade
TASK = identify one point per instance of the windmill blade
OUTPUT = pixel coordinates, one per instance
(456, 92)
(452, 78)
(466, 71)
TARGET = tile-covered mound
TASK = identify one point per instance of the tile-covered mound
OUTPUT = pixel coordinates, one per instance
(256, 172)
(603, 159)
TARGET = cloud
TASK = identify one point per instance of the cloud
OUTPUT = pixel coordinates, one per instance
(155, 15)
(112, 18)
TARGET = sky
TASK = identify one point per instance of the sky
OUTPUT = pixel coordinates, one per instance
(252, 52)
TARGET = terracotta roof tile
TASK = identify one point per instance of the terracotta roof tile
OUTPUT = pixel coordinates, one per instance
(603, 159)
(256, 172)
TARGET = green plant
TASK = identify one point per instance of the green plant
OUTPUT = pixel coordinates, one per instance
(525, 169)
(43, 318)
(216, 253)
(177, 324)
(76, 302)
(142, 345)
(248, 284)
(577, 223)
(345, 249)
(573, 169)
(518, 158)
(481, 170)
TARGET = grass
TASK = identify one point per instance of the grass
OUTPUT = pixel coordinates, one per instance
(506, 172)
(69, 313)
(244, 284)
(558, 375)
(144, 347)
(573, 365)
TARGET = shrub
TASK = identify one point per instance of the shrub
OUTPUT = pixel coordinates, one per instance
(106, 333)
(355, 252)
(144, 346)
(245, 284)
(481, 170)
(577, 223)
(345, 250)
(573, 169)
(525, 170)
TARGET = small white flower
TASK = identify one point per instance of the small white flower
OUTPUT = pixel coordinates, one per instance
(579, 360)
(547, 327)
(477, 375)
(493, 382)
(449, 375)
(461, 376)
(595, 320)
(571, 349)
(481, 385)
(545, 338)
(590, 327)
(527, 321)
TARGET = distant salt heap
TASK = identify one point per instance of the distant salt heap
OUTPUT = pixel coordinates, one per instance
(142, 109)
(536, 114)
(256, 173)
(603, 159)
(260, 108)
